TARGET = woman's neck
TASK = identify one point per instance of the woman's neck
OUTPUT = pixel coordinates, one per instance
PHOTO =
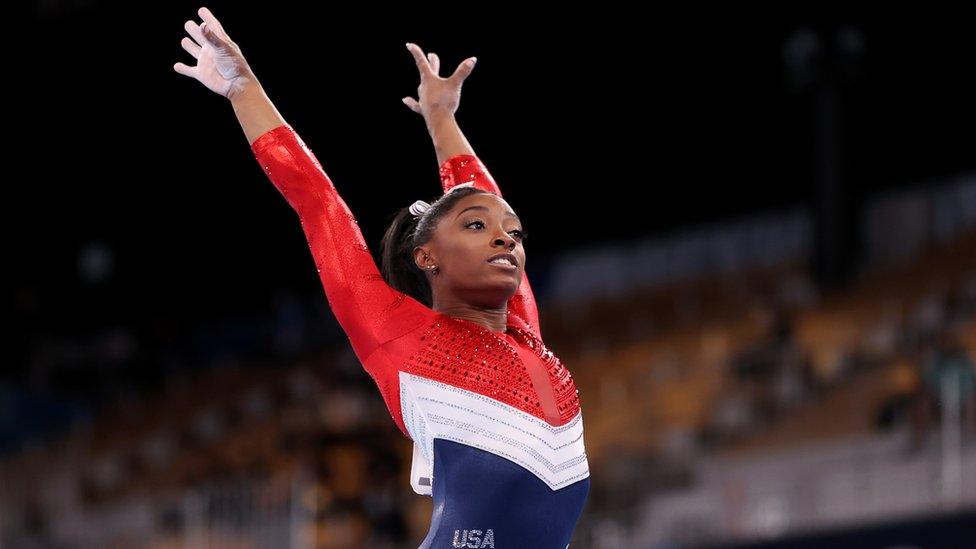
(495, 320)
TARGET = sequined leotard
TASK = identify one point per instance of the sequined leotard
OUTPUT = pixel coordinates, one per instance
(494, 417)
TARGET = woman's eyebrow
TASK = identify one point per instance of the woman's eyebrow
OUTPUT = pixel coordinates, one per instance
(509, 214)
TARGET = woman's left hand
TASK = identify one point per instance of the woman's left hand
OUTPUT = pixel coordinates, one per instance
(436, 94)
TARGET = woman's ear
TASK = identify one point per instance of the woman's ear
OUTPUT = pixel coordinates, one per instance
(423, 259)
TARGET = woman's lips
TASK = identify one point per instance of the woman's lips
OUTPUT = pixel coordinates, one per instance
(504, 265)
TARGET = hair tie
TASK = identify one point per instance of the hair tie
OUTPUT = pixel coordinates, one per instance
(420, 207)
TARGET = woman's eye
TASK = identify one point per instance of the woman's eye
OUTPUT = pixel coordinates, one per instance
(517, 233)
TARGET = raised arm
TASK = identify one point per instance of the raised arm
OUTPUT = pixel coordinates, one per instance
(369, 310)
(438, 101)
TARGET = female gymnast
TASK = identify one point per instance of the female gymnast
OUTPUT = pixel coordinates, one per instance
(448, 330)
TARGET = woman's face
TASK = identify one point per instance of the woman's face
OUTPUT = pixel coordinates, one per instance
(478, 227)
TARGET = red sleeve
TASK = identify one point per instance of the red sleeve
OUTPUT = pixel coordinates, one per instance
(464, 168)
(369, 310)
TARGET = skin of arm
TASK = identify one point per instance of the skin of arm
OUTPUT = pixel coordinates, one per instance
(255, 111)
(446, 135)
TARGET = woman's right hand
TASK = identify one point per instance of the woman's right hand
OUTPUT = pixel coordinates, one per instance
(220, 65)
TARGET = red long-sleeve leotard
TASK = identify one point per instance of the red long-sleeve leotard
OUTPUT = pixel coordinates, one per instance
(494, 417)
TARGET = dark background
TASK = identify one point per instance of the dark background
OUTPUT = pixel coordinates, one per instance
(601, 125)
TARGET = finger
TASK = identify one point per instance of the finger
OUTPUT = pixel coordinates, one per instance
(211, 21)
(212, 37)
(435, 63)
(191, 47)
(463, 70)
(185, 70)
(195, 33)
(412, 104)
(418, 55)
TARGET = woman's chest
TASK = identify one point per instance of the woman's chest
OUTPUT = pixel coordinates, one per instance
(514, 368)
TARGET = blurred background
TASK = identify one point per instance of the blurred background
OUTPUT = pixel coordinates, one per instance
(753, 242)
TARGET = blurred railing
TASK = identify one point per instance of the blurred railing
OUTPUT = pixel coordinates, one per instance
(843, 483)
(274, 513)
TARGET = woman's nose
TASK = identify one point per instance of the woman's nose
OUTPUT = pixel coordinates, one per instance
(507, 240)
